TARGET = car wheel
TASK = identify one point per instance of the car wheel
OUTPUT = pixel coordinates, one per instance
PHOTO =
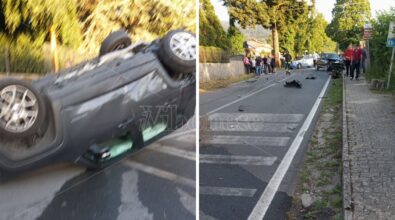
(115, 41)
(22, 109)
(178, 52)
(299, 66)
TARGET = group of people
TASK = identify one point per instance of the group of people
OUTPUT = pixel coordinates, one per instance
(355, 58)
(259, 65)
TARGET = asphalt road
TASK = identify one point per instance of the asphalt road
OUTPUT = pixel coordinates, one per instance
(253, 142)
(157, 182)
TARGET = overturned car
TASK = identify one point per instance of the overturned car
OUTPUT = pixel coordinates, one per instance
(101, 110)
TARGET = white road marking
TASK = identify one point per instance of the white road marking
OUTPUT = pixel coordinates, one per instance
(253, 126)
(237, 160)
(161, 173)
(189, 155)
(256, 117)
(267, 196)
(130, 202)
(244, 97)
(177, 134)
(187, 200)
(226, 191)
(243, 140)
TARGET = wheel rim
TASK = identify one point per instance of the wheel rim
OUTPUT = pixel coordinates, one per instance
(183, 45)
(18, 108)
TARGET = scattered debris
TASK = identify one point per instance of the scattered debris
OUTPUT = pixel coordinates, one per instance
(377, 84)
(241, 108)
(252, 80)
(288, 72)
(311, 77)
(293, 83)
(307, 201)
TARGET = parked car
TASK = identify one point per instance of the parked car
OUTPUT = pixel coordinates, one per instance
(326, 59)
(305, 61)
(101, 110)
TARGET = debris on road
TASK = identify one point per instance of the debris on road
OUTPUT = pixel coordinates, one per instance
(293, 83)
(311, 77)
(241, 108)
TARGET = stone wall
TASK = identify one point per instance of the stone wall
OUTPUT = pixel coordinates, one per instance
(215, 71)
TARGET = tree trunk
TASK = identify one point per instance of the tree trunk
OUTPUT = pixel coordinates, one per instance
(54, 52)
(276, 46)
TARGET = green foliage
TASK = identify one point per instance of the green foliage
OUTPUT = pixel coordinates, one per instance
(236, 39)
(213, 55)
(380, 54)
(211, 31)
(349, 16)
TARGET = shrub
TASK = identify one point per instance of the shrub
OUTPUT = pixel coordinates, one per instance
(213, 55)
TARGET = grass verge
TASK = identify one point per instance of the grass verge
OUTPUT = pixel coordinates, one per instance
(319, 179)
(222, 83)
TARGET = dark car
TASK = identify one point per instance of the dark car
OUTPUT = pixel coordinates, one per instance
(101, 110)
(326, 59)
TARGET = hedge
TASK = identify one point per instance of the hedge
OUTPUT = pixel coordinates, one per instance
(213, 55)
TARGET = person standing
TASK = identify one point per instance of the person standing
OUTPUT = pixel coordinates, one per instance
(288, 59)
(247, 64)
(348, 58)
(258, 63)
(265, 66)
(253, 64)
(273, 64)
(356, 62)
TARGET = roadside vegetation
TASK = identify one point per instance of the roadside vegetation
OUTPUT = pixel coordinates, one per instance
(34, 32)
(318, 193)
(222, 83)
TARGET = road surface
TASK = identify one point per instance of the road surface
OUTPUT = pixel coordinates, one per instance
(254, 138)
(158, 182)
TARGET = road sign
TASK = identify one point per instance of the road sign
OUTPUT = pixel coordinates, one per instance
(391, 35)
(367, 31)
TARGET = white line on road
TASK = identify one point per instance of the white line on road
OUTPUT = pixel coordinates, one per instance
(256, 117)
(253, 126)
(243, 140)
(237, 160)
(189, 155)
(227, 191)
(266, 198)
(170, 136)
(161, 173)
(244, 97)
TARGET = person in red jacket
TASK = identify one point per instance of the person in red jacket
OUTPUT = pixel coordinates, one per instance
(348, 58)
(356, 61)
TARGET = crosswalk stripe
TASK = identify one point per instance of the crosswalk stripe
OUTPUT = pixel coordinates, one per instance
(237, 160)
(186, 154)
(256, 117)
(253, 126)
(161, 173)
(245, 140)
(226, 191)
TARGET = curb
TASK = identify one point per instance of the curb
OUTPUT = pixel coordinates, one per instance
(346, 176)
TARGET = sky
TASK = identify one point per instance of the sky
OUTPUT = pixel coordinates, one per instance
(323, 6)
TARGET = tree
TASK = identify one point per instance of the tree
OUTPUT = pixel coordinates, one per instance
(277, 15)
(143, 19)
(236, 40)
(211, 31)
(349, 16)
(43, 18)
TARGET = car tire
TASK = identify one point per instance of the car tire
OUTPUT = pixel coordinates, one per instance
(176, 55)
(299, 66)
(22, 107)
(115, 41)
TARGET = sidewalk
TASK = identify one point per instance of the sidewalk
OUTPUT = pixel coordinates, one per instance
(371, 140)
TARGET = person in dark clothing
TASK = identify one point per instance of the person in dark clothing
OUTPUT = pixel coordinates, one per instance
(265, 66)
(288, 59)
(273, 64)
(356, 62)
